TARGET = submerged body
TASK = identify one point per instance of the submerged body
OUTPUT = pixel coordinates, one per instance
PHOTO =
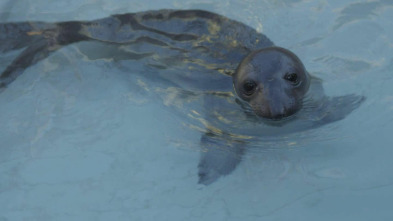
(249, 87)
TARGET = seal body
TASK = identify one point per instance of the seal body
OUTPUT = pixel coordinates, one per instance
(249, 87)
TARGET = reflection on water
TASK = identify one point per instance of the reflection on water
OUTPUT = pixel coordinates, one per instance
(82, 139)
(361, 10)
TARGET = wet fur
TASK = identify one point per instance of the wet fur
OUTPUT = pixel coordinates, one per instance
(211, 44)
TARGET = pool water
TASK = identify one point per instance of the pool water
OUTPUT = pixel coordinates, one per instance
(83, 139)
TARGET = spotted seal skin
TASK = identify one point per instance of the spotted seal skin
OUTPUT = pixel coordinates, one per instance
(249, 87)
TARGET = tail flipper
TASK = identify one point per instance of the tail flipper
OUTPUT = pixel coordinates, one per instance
(29, 56)
(21, 34)
(39, 40)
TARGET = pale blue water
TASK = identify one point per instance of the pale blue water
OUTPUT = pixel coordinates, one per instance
(77, 143)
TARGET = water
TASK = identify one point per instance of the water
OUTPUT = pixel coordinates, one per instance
(79, 142)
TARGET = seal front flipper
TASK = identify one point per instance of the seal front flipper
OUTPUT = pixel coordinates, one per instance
(321, 109)
(337, 108)
(219, 157)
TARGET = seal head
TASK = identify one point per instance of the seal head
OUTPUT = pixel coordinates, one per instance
(273, 81)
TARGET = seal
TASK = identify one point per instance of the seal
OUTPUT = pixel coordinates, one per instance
(250, 88)
(275, 96)
(273, 81)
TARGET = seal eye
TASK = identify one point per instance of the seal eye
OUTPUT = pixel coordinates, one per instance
(249, 87)
(292, 77)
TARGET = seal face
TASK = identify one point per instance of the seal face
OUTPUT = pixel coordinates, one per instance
(272, 81)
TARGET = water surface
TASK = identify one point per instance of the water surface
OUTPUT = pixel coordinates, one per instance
(80, 139)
